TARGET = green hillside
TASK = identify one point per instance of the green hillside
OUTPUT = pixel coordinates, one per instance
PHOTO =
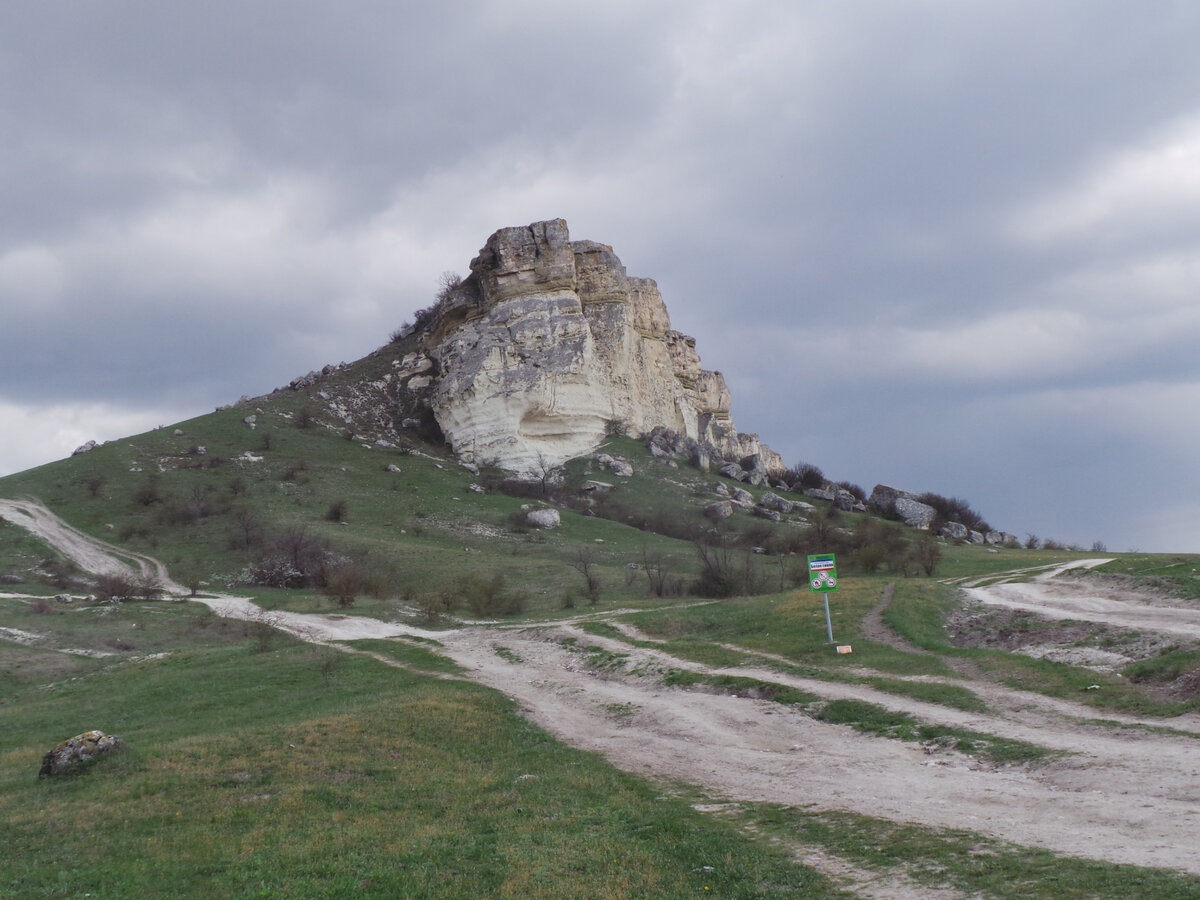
(260, 766)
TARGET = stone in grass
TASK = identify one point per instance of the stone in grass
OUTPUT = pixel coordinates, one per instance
(77, 750)
(543, 518)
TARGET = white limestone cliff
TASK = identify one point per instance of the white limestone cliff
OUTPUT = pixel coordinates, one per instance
(549, 345)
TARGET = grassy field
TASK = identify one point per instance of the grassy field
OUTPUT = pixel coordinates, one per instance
(258, 766)
(298, 771)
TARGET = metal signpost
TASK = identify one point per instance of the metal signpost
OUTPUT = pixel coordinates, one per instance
(822, 576)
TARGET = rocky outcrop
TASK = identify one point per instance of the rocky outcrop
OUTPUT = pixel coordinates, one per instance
(76, 751)
(549, 345)
(904, 505)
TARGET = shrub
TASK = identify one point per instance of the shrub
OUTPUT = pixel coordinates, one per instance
(953, 509)
(336, 512)
(804, 476)
(342, 583)
(112, 587)
(147, 493)
(927, 555)
(584, 561)
(487, 596)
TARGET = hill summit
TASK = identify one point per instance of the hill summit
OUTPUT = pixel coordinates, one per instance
(548, 346)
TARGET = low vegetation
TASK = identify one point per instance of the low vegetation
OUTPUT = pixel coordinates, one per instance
(261, 766)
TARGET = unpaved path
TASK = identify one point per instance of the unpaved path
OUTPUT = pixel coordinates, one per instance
(1124, 795)
(1091, 601)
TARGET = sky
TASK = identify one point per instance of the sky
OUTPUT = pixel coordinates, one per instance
(942, 245)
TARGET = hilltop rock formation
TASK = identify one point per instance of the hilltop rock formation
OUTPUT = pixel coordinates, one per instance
(549, 345)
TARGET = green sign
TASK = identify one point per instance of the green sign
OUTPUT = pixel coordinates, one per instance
(822, 573)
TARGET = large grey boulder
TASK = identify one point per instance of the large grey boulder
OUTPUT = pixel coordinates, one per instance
(732, 470)
(904, 505)
(741, 497)
(78, 750)
(914, 514)
(773, 501)
(543, 518)
(955, 531)
(722, 509)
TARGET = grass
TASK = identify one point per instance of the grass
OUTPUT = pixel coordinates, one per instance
(258, 773)
(410, 654)
(868, 718)
(969, 862)
(918, 611)
(259, 766)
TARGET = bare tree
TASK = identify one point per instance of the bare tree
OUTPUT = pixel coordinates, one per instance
(584, 562)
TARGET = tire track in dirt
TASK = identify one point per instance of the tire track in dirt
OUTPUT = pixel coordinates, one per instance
(1123, 797)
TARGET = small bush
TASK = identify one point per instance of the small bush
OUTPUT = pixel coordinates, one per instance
(803, 476)
(487, 596)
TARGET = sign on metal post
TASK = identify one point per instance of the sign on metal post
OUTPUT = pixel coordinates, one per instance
(822, 577)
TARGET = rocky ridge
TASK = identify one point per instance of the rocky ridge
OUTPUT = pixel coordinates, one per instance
(549, 345)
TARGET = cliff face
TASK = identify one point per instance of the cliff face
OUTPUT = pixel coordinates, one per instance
(549, 344)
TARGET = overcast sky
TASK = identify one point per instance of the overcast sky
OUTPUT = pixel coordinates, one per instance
(948, 246)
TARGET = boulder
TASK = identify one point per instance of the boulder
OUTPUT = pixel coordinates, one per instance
(543, 518)
(732, 470)
(741, 497)
(914, 513)
(844, 500)
(85, 448)
(976, 537)
(773, 501)
(76, 751)
(955, 531)
(722, 509)
(770, 514)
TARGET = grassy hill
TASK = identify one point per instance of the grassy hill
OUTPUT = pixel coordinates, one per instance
(261, 766)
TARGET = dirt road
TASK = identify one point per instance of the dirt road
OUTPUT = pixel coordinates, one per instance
(1123, 794)
(1091, 601)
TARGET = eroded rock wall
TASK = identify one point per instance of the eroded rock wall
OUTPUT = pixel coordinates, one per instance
(549, 344)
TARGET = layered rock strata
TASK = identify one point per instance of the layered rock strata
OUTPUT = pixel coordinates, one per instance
(549, 345)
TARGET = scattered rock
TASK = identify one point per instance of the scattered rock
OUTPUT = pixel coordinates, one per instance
(955, 531)
(741, 497)
(773, 501)
(619, 467)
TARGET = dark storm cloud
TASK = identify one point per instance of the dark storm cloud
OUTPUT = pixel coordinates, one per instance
(968, 229)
